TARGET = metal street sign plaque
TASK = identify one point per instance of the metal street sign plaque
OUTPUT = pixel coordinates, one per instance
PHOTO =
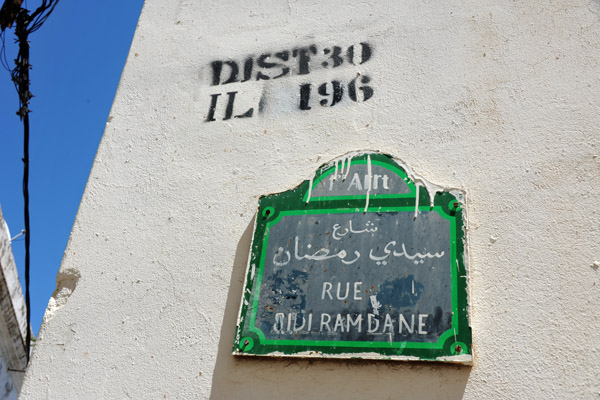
(362, 261)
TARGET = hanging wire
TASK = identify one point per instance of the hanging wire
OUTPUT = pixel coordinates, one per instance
(26, 24)
(3, 58)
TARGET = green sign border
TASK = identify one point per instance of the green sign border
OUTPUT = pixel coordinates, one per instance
(456, 341)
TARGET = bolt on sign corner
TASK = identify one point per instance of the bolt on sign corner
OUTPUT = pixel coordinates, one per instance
(361, 261)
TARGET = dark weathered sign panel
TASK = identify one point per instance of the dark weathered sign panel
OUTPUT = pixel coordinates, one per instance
(358, 262)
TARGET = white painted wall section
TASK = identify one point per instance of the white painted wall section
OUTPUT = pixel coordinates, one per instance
(13, 320)
(500, 99)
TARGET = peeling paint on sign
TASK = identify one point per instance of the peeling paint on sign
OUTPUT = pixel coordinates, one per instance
(358, 262)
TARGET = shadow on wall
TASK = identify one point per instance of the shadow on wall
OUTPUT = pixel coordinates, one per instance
(294, 378)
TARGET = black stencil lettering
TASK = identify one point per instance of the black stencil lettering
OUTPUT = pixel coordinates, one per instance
(262, 104)
(229, 109)
(248, 69)
(274, 65)
(211, 109)
(247, 114)
(262, 62)
(365, 54)
(350, 54)
(304, 96)
(336, 95)
(335, 56)
(234, 72)
(366, 90)
(217, 67)
(303, 55)
(283, 56)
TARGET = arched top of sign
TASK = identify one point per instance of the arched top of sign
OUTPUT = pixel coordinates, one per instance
(365, 260)
(372, 175)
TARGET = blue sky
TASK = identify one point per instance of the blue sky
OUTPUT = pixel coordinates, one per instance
(77, 58)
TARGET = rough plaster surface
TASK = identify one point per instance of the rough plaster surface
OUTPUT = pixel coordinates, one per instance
(13, 320)
(498, 98)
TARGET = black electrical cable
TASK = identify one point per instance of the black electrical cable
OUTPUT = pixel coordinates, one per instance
(21, 78)
(26, 24)
(27, 228)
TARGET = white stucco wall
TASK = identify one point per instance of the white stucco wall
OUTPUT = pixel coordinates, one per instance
(498, 98)
(13, 320)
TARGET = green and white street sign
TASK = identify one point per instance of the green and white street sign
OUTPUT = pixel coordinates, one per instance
(362, 261)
